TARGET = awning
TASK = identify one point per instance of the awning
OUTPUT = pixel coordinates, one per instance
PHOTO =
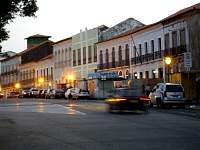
(109, 76)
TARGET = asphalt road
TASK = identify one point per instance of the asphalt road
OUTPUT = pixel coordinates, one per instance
(58, 125)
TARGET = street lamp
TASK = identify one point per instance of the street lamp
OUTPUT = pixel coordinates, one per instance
(167, 61)
(70, 79)
(41, 81)
(17, 85)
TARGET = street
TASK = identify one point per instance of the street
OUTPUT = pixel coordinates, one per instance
(37, 124)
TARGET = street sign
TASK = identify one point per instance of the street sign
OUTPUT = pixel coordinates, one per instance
(187, 60)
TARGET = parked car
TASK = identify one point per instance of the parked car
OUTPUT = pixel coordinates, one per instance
(48, 93)
(83, 94)
(34, 92)
(13, 95)
(56, 93)
(1, 95)
(25, 93)
(74, 92)
(127, 99)
(43, 93)
(167, 94)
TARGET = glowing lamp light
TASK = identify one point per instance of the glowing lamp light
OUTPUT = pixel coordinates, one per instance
(70, 77)
(41, 80)
(168, 60)
(17, 85)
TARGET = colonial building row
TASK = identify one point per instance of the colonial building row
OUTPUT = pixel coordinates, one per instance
(130, 49)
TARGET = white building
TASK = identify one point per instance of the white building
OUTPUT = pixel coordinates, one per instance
(62, 58)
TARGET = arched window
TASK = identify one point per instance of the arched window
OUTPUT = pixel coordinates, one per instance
(127, 54)
(120, 74)
(107, 59)
(120, 55)
(113, 57)
(101, 60)
(127, 74)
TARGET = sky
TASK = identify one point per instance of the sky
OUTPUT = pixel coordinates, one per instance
(64, 18)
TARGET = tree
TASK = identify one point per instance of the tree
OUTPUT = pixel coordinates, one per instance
(10, 9)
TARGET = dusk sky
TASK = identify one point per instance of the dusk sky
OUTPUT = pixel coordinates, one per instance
(64, 18)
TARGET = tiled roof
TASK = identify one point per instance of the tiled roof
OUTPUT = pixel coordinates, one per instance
(62, 40)
(182, 11)
(38, 36)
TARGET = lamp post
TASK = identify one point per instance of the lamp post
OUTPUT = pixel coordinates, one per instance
(167, 61)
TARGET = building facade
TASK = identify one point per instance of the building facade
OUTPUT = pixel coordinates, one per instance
(62, 58)
(140, 53)
(29, 59)
(84, 54)
(10, 73)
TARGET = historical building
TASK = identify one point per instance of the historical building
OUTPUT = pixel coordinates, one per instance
(10, 73)
(31, 56)
(140, 52)
(84, 53)
(62, 58)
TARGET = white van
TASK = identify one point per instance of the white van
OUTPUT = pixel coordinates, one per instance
(167, 94)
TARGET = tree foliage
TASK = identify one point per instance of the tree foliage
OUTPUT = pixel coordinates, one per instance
(10, 9)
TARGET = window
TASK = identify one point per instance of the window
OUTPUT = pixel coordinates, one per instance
(89, 54)
(101, 58)
(146, 48)
(140, 49)
(47, 74)
(153, 74)
(183, 40)
(174, 39)
(159, 46)
(74, 57)
(152, 48)
(107, 58)
(79, 56)
(113, 57)
(120, 74)
(84, 55)
(66, 51)
(167, 41)
(160, 72)
(182, 37)
(95, 53)
(147, 74)
(44, 73)
(141, 75)
(127, 54)
(174, 42)
(51, 72)
(69, 56)
(135, 75)
(120, 55)
(37, 74)
(40, 72)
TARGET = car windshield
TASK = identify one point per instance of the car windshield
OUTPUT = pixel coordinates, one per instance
(174, 88)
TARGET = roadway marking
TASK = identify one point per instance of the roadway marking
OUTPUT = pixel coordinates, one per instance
(40, 107)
